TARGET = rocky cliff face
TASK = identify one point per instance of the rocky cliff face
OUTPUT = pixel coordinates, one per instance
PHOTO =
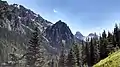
(58, 32)
(18, 18)
(16, 25)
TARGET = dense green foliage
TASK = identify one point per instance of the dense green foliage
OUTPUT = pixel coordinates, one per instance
(112, 60)
(96, 49)
(93, 50)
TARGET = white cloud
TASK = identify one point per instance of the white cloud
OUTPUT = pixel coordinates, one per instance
(55, 11)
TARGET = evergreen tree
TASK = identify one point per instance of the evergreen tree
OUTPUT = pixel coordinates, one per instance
(87, 55)
(91, 53)
(119, 38)
(70, 59)
(96, 51)
(104, 35)
(77, 54)
(33, 49)
(62, 55)
(110, 45)
(116, 35)
(83, 57)
(109, 37)
(103, 46)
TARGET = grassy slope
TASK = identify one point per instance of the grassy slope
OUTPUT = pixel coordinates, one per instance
(112, 60)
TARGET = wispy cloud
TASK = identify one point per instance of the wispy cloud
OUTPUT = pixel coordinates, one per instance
(55, 11)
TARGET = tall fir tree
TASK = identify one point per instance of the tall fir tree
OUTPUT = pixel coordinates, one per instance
(61, 62)
(70, 59)
(116, 35)
(96, 51)
(83, 56)
(110, 45)
(91, 53)
(103, 46)
(77, 54)
(87, 55)
(109, 37)
(119, 38)
(33, 52)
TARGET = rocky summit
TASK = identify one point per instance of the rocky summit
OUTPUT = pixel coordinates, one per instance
(58, 32)
(79, 36)
(17, 24)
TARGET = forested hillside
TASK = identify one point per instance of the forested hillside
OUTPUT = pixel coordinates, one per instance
(28, 40)
(113, 60)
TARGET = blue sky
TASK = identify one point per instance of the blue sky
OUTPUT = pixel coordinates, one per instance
(85, 16)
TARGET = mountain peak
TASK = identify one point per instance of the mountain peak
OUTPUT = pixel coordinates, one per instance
(58, 32)
(60, 23)
(91, 34)
(78, 33)
(79, 36)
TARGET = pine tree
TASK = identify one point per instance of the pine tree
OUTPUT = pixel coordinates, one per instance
(70, 60)
(83, 57)
(91, 53)
(104, 35)
(110, 45)
(77, 54)
(116, 35)
(119, 38)
(87, 55)
(96, 51)
(33, 49)
(62, 55)
(109, 37)
(103, 46)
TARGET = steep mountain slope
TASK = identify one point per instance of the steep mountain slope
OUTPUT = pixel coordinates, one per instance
(17, 18)
(16, 25)
(58, 32)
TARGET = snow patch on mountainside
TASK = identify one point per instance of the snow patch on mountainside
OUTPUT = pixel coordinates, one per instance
(28, 28)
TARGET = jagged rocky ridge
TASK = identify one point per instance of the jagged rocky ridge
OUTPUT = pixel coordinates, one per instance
(16, 25)
(79, 37)
(16, 18)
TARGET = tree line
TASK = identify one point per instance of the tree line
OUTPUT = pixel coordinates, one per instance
(94, 49)
(87, 53)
